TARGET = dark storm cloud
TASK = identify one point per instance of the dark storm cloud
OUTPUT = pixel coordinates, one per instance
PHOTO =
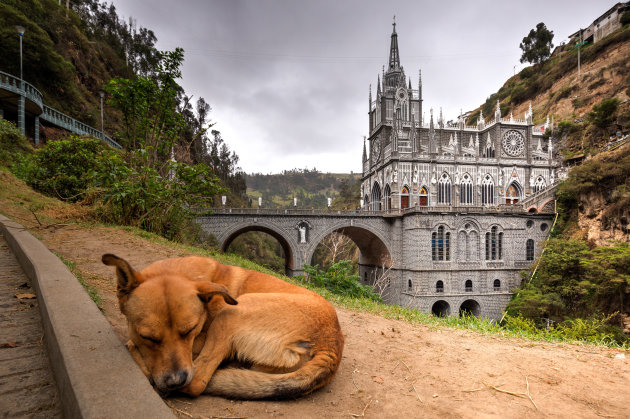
(288, 80)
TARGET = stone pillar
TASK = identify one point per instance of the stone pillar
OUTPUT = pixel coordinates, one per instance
(21, 115)
(36, 130)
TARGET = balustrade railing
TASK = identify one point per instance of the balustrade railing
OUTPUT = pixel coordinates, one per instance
(499, 209)
(15, 85)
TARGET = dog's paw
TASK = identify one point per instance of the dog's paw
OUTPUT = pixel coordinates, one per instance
(195, 388)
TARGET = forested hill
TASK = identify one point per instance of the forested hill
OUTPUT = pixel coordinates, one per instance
(311, 188)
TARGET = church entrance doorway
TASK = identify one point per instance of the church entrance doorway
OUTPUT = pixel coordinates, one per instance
(513, 194)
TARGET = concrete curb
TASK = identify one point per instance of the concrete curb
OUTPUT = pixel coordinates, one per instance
(95, 375)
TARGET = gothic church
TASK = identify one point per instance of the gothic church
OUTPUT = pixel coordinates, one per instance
(468, 201)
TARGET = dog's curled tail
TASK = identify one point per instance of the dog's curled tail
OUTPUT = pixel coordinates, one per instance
(241, 383)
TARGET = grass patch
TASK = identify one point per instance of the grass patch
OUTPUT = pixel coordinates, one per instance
(92, 292)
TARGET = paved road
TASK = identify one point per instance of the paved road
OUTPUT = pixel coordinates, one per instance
(27, 388)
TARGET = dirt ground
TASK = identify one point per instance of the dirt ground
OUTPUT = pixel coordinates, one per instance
(392, 369)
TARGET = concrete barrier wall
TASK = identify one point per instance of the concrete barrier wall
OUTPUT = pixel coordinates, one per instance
(95, 375)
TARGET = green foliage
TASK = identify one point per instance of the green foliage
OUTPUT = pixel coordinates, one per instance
(151, 123)
(604, 113)
(142, 197)
(83, 169)
(526, 73)
(261, 248)
(12, 144)
(64, 168)
(537, 44)
(625, 18)
(574, 281)
(339, 279)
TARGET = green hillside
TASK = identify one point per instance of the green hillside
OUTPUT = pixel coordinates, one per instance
(311, 188)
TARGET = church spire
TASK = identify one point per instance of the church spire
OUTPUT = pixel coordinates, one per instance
(394, 56)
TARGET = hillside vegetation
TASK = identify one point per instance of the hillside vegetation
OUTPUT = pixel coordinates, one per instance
(584, 272)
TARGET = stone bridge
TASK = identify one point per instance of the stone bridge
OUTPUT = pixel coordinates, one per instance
(300, 231)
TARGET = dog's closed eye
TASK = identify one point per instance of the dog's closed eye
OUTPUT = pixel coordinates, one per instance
(184, 334)
(151, 339)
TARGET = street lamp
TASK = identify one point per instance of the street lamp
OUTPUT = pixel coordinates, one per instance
(20, 30)
(102, 95)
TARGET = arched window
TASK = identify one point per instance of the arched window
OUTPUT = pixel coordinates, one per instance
(387, 198)
(468, 285)
(439, 286)
(376, 197)
(487, 190)
(404, 197)
(497, 285)
(494, 244)
(444, 189)
(424, 197)
(466, 190)
(409, 285)
(540, 184)
(440, 244)
(529, 250)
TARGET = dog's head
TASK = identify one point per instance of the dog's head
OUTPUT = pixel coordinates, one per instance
(164, 314)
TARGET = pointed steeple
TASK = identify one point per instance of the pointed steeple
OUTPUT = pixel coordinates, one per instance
(378, 86)
(394, 55)
(370, 100)
(420, 84)
(409, 83)
(441, 120)
(364, 151)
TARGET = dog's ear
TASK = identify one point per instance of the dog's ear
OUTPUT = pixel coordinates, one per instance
(209, 289)
(127, 280)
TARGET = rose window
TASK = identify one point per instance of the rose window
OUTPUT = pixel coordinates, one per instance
(513, 143)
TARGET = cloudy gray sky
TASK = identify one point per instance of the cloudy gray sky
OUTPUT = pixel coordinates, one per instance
(288, 80)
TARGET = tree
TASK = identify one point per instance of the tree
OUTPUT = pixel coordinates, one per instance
(537, 45)
(151, 123)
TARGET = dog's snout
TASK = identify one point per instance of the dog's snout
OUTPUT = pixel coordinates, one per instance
(176, 379)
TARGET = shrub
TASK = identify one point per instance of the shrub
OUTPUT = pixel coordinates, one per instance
(625, 18)
(13, 145)
(340, 280)
(604, 113)
(63, 168)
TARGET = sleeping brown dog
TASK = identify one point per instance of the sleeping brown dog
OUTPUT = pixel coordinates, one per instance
(285, 340)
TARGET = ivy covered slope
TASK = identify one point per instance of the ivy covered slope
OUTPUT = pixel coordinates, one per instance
(584, 271)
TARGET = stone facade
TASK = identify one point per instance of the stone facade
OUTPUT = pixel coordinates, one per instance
(445, 177)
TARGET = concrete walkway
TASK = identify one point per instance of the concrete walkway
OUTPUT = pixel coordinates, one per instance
(27, 387)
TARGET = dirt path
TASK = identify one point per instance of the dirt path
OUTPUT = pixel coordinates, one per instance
(392, 369)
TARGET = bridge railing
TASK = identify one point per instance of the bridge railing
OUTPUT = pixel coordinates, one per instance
(64, 121)
(12, 84)
(500, 209)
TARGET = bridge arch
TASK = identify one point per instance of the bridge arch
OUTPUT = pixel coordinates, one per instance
(373, 247)
(288, 244)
